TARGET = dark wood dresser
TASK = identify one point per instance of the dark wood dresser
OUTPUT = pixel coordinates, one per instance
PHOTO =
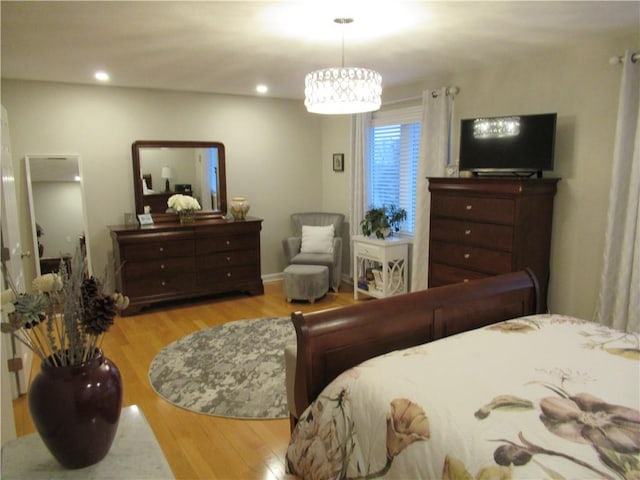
(170, 261)
(157, 202)
(485, 226)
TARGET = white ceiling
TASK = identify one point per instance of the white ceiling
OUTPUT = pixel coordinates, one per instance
(230, 47)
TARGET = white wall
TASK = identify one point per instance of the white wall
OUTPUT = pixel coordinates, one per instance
(279, 156)
(336, 138)
(583, 88)
(272, 149)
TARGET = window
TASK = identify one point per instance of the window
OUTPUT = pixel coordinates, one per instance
(393, 161)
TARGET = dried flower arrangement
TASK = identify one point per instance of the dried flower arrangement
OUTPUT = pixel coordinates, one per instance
(63, 320)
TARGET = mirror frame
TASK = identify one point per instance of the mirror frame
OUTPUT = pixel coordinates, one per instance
(173, 217)
(32, 212)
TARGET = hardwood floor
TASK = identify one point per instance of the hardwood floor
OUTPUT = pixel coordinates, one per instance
(199, 446)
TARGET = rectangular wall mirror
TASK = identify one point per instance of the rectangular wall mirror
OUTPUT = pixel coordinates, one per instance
(57, 208)
(162, 168)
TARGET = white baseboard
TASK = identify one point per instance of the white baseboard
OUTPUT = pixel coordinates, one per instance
(277, 277)
(273, 277)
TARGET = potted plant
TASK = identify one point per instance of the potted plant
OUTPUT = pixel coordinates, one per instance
(383, 221)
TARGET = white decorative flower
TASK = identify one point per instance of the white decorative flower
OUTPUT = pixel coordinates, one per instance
(7, 296)
(8, 308)
(120, 300)
(179, 202)
(49, 282)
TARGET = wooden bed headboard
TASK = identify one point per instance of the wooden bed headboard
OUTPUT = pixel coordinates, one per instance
(334, 340)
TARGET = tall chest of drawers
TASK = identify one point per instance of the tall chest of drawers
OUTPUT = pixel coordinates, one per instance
(487, 226)
(172, 261)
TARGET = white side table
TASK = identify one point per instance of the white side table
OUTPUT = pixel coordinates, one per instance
(135, 454)
(386, 260)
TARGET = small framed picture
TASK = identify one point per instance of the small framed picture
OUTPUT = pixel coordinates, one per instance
(338, 162)
(145, 219)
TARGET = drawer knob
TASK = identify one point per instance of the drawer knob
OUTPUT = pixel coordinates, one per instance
(228, 242)
(161, 267)
(469, 207)
(467, 232)
(228, 259)
(467, 255)
(162, 249)
(465, 280)
(228, 274)
(163, 284)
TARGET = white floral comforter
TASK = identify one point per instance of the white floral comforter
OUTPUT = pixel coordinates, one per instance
(544, 396)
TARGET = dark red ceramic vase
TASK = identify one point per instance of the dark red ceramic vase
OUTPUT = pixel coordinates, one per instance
(76, 410)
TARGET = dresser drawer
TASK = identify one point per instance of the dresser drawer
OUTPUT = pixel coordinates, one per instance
(161, 284)
(168, 265)
(495, 210)
(370, 251)
(473, 233)
(228, 275)
(170, 261)
(158, 250)
(227, 243)
(440, 274)
(472, 258)
(228, 259)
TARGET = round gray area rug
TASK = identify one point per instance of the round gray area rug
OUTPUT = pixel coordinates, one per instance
(233, 370)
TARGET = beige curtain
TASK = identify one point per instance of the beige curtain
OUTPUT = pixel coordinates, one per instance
(434, 157)
(619, 297)
(360, 126)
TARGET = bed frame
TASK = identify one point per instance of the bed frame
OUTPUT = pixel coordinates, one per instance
(334, 340)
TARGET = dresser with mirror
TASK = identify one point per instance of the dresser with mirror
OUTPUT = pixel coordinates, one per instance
(171, 261)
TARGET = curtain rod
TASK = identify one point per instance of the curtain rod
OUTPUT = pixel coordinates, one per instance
(402, 100)
(453, 91)
(616, 59)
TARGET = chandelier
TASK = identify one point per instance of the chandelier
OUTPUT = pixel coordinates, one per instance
(496, 127)
(342, 90)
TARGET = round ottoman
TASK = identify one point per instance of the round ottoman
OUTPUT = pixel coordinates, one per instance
(305, 282)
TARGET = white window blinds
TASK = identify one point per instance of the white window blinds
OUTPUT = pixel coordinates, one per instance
(393, 162)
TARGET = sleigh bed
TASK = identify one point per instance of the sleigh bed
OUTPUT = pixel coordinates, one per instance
(463, 381)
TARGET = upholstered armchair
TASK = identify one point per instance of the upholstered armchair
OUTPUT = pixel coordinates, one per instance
(330, 257)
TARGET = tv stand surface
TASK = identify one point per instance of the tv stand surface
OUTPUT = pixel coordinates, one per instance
(513, 174)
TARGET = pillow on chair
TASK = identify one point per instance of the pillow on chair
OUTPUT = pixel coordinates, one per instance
(317, 239)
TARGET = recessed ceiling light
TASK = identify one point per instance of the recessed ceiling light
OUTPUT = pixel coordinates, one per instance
(101, 76)
(262, 89)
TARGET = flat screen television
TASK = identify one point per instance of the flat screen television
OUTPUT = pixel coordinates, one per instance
(517, 144)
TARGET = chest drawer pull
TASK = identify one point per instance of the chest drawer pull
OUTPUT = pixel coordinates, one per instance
(228, 274)
(467, 256)
(467, 232)
(163, 284)
(228, 242)
(161, 267)
(228, 259)
(161, 249)
(468, 207)
(465, 280)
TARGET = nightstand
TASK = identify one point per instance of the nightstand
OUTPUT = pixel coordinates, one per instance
(380, 267)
